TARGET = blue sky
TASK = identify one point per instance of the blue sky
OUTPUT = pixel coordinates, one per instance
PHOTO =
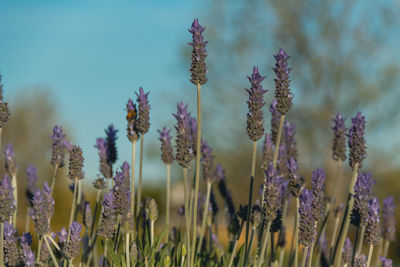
(92, 56)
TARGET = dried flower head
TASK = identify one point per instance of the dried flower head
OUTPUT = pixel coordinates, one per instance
(356, 141)
(99, 184)
(307, 223)
(184, 150)
(4, 111)
(207, 162)
(9, 155)
(7, 202)
(347, 251)
(152, 209)
(388, 219)
(11, 251)
(198, 68)
(295, 184)
(142, 124)
(167, 155)
(76, 164)
(360, 261)
(121, 192)
(272, 193)
(43, 210)
(256, 215)
(362, 196)
(131, 117)
(339, 138)
(73, 246)
(318, 189)
(58, 144)
(106, 228)
(255, 116)
(282, 92)
(373, 229)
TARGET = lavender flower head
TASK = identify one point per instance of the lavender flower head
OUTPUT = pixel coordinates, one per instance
(290, 141)
(267, 150)
(360, 261)
(339, 138)
(207, 162)
(373, 229)
(275, 119)
(272, 193)
(294, 177)
(99, 184)
(9, 155)
(347, 251)
(11, 252)
(131, 117)
(356, 141)
(76, 164)
(58, 144)
(121, 191)
(4, 111)
(166, 147)
(143, 121)
(255, 116)
(193, 133)
(198, 68)
(43, 210)
(183, 143)
(388, 219)
(362, 196)
(111, 138)
(31, 187)
(307, 223)
(282, 92)
(105, 168)
(385, 261)
(106, 228)
(7, 202)
(318, 190)
(28, 256)
(73, 246)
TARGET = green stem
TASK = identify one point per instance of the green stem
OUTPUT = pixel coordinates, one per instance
(128, 262)
(53, 180)
(38, 251)
(51, 252)
(361, 240)
(278, 140)
(335, 228)
(346, 220)
(140, 175)
(371, 249)
(337, 180)
(264, 245)
(248, 219)
(233, 253)
(1, 243)
(203, 223)
(386, 248)
(15, 192)
(197, 178)
(296, 234)
(253, 230)
(71, 217)
(133, 178)
(185, 193)
(151, 232)
(105, 251)
(303, 262)
(168, 196)
(27, 223)
(281, 256)
(311, 254)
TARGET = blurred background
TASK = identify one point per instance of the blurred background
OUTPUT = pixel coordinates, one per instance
(76, 63)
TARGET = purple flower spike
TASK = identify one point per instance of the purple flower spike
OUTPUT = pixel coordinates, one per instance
(143, 122)
(166, 147)
(362, 196)
(347, 251)
(294, 177)
(255, 116)
(7, 203)
(275, 119)
(72, 249)
(11, 252)
(111, 138)
(184, 150)
(318, 189)
(281, 164)
(28, 256)
(193, 133)
(385, 261)
(267, 150)
(31, 173)
(131, 117)
(43, 210)
(272, 193)
(106, 228)
(120, 191)
(357, 141)
(9, 155)
(373, 229)
(198, 68)
(59, 144)
(388, 219)
(282, 92)
(339, 138)
(290, 140)
(76, 164)
(207, 162)
(105, 168)
(307, 223)
(360, 261)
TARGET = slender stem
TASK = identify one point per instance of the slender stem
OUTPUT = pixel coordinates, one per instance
(38, 251)
(296, 233)
(203, 224)
(278, 140)
(233, 253)
(168, 196)
(79, 193)
(185, 193)
(281, 256)
(53, 180)
(355, 248)
(371, 249)
(27, 222)
(337, 180)
(303, 262)
(346, 219)
(253, 159)
(54, 242)
(335, 228)
(264, 245)
(253, 230)
(248, 219)
(105, 251)
(71, 217)
(133, 178)
(15, 192)
(151, 232)
(51, 252)
(386, 248)
(311, 254)
(128, 262)
(197, 178)
(2, 243)
(361, 240)
(140, 175)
